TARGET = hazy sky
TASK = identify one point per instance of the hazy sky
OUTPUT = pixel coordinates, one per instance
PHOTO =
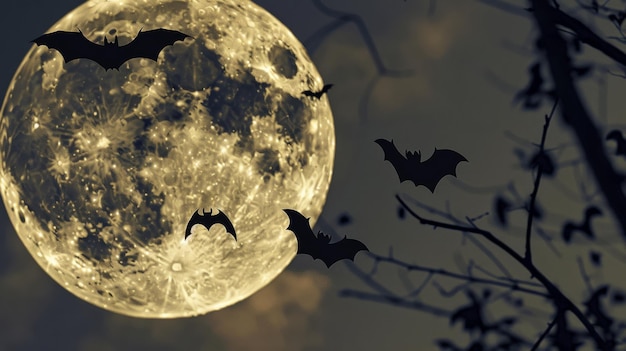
(469, 60)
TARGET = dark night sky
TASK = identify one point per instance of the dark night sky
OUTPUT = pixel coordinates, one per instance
(452, 101)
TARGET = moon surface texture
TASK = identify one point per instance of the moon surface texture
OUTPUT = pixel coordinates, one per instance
(101, 170)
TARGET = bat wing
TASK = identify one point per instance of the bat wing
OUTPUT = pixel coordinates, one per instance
(342, 249)
(72, 45)
(326, 88)
(149, 44)
(299, 225)
(196, 218)
(221, 218)
(440, 164)
(397, 160)
(208, 220)
(308, 93)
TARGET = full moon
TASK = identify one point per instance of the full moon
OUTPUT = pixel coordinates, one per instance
(102, 169)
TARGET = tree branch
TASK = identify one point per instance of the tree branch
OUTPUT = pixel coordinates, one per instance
(575, 114)
(586, 35)
(512, 285)
(533, 195)
(556, 295)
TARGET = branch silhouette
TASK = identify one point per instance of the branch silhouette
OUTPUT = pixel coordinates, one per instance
(591, 323)
(341, 19)
(575, 114)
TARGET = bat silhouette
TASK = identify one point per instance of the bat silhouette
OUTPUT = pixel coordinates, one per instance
(585, 227)
(207, 220)
(317, 94)
(619, 139)
(319, 247)
(74, 45)
(427, 173)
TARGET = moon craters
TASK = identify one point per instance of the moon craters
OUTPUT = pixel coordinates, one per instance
(283, 61)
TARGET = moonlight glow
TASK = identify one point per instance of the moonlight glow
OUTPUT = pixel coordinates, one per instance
(101, 170)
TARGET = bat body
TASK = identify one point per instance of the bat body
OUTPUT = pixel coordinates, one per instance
(427, 173)
(207, 220)
(619, 139)
(319, 247)
(74, 45)
(317, 94)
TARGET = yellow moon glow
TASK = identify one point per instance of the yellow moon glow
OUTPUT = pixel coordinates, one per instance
(101, 170)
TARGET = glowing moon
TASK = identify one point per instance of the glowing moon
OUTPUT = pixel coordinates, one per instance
(101, 170)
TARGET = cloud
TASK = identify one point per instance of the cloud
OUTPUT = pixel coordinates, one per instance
(435, 36)
(281, 316)
(24, 292)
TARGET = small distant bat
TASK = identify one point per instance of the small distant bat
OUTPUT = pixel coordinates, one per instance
(319, 247)
(619, 139)
(317, 94)
(427, 173)
(74, 45)
(207, 220)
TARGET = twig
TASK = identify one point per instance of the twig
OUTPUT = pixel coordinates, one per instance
(573, 111)
(513, 285)
(584, 275)
(533, 195)
(342, 18)
(584, 33)
(555, 294)
(543, 335)
(396, 301)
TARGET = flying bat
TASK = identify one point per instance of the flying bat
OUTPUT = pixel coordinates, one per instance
(74, 45)
(319, 246)
(207, 220)
(427, 173)
(619, 139)
(317, 94)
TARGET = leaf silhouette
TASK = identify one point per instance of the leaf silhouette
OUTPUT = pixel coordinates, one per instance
(447, 345)
(582, 71)
(501, 208)
(617, 135)
(617, 18)
(471, 315)
(596, 258)
(344, 219)
(401, 212)
(585, 227)
(597, 315)
(533, 94)
(541, 160)
(618, 297)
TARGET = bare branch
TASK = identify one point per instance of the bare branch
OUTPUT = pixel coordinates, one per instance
(396, 301)
(543, 335)
(573, 111)
(513, 285)
(555, 294)
(533, 195)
